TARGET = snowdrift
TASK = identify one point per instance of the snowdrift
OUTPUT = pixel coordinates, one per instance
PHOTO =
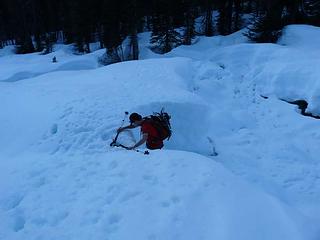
(122, 195)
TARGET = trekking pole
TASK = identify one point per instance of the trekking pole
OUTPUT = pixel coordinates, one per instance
(136, 150)
(116, 137)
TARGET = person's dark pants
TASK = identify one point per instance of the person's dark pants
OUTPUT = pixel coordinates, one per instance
(153, 147)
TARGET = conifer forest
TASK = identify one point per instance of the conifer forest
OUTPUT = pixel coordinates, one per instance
(35, 25)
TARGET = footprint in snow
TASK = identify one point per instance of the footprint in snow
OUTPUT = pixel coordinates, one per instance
(150, 179)
(113, 165)
(19, 222)
(114, 219)
(12, 202)
(112, 223)
(173, 200)
(39, 182)
(129, 195)
(54, 129)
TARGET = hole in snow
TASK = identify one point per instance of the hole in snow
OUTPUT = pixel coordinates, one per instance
(54, 129)
(302, 105)
(192, 126)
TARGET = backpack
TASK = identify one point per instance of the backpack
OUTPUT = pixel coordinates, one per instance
(161, 122)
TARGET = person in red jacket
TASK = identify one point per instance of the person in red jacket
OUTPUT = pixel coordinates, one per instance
(150, 134)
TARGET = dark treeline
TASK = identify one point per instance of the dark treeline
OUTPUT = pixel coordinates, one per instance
(35, 25)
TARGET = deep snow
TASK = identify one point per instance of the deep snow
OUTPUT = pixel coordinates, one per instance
(61, 180)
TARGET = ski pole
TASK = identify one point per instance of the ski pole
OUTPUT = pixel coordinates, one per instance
(116, 137)
(136, 150)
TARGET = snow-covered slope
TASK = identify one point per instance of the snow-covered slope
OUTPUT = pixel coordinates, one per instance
(126, 195)
(61, 180)
(20, 67)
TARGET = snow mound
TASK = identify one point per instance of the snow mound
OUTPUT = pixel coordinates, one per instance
(301, 36)
(74, 123)
(205, 46)
(126, 195)
(20, 67)
(6, 51)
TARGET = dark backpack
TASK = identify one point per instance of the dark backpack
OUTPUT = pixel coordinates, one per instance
(161, 122)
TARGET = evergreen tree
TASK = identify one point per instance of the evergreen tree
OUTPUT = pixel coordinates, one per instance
(113, 31)
(225, 17)
(49, 12)
(230, 15)
(237, 15)
(207, 23)
(8, 25)
(189, 21)
(80, 25)
(292, 13)
(39, 44)
(2, 28)
(164, 37)
(68, 15)
(49, 40)
(133, 14)
(310, 8)
(35, 25)
(267, 25)
(22, 14)
(247, 6)
(310, 11)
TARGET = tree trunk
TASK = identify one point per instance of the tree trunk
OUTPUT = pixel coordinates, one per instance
(208, 21)
(134, 45)
(237, 19)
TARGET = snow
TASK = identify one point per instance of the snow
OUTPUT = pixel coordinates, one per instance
(60, 179)
(301, 36)
(19, 67)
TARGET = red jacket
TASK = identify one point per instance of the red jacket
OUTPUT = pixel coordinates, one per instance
(153, 141)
